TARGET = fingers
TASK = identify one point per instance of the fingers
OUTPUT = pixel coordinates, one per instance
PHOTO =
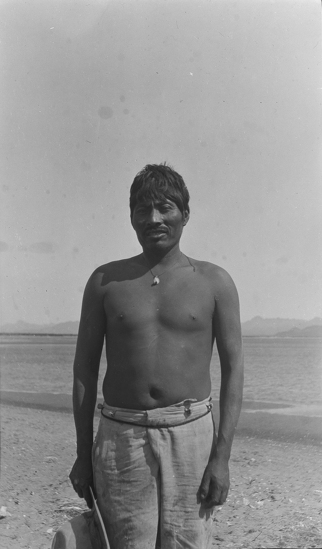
(218, 498)
(215, 496)
(204, 487)
(75, 484)
(77, 488)
(88, 497)
(81, 487)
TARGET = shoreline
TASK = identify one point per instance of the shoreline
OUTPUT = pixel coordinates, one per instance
(278, 335)
(258, 419)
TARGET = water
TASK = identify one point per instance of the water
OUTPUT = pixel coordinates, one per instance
(276, 369)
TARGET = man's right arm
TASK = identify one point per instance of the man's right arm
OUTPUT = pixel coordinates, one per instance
(86, 367)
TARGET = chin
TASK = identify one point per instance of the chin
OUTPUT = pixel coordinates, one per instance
(157, 245)
(147, 241)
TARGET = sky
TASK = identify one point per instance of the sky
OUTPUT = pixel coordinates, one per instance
(228, 92)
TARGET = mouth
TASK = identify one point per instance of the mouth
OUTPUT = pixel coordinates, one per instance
(155, 232)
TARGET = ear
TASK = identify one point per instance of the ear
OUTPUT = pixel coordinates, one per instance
(185, 217)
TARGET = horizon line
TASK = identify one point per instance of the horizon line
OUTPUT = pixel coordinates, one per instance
(51, 324)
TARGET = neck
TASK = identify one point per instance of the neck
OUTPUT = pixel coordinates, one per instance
(162, 257)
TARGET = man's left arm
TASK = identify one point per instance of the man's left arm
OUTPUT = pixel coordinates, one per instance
(226, 323)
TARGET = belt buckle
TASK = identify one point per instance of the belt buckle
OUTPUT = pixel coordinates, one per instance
(187, 407)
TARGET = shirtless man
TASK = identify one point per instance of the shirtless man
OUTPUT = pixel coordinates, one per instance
(156, 465)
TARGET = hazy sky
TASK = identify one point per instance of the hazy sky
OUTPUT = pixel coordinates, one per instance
(228, 92)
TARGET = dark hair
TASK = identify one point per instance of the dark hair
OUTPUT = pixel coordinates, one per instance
(156, 182)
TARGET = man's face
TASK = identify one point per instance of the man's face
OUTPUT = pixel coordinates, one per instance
(158, 225)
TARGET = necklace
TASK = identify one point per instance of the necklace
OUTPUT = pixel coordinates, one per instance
(156, 278)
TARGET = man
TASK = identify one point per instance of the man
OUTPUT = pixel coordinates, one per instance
(156, 465)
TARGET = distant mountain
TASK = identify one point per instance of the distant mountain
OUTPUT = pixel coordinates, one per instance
(259, 326)
(22, 327)
(309, 331)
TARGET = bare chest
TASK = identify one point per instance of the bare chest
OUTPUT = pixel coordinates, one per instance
(179, 304)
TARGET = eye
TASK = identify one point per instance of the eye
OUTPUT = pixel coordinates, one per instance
(141, 210)
(165, 208)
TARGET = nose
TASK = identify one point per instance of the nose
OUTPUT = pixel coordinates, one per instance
(155, 217)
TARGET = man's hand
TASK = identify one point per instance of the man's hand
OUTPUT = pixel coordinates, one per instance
(215, 483)
(81, 477)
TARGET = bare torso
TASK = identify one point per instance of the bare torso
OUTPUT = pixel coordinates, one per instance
(159, 338)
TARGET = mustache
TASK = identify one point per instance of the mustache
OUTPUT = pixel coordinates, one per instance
(151, 230)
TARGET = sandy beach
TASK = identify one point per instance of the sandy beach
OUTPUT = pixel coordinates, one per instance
(276, 480)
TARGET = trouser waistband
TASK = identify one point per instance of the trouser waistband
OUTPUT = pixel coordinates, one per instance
(177, 414)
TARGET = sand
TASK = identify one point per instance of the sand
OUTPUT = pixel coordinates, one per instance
(276, 486)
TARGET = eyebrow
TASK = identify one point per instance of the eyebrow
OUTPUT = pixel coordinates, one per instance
(146, 204)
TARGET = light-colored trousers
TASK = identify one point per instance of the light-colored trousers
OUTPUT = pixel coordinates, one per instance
(147, 476)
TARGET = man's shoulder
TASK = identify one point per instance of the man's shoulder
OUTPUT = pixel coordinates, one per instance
(219, 279)
(211, 269)
(113, 270)
(116, 265)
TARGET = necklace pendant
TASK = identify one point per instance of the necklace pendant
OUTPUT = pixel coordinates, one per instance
(156, 281)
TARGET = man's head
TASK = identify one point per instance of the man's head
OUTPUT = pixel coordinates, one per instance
(159, 203)
(155, 183)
